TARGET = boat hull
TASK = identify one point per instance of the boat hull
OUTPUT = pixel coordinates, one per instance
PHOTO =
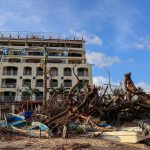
(122, 136)
(32, 133)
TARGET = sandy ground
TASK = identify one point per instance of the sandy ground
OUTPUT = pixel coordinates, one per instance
(76, 143)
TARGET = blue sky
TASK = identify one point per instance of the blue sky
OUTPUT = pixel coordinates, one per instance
(117, 31)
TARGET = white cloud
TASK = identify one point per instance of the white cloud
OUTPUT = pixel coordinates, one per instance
(101, 80)
(102, 60)
(89, 37)
(144, 86)
(143, 43)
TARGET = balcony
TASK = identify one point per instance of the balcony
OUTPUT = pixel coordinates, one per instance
(39, 97)
(26, 83)
(54, 83)
(54, 71)
(32, 60)
(8, 85)
(67, 83)
(75, 55)
(55, 54)
(10, 71)
(35, 53)
(67, 72)
(39, 71)
(82, 72)
(25, 98)
(7, 98)
(14, 60)
(27, 71)
(28, 98)
(39, 83)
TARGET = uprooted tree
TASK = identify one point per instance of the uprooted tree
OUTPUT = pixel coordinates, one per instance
(84, 102)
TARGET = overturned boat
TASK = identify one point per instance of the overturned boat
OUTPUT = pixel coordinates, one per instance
(30, 128)
(33, 129)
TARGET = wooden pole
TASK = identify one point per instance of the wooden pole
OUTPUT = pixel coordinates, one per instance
(45, 76)
(0, 114)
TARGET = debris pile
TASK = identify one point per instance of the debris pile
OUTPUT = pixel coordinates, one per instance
(94, 104)
(100, 111)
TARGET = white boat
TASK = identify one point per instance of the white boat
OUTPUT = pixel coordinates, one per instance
(125, 135)
(122, 136)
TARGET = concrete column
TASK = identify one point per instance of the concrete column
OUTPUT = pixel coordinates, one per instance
(60, 74)
(39, 108)
(13, 109)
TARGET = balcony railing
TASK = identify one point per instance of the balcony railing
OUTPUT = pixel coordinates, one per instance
(8, 85)
(39, 98)
(39, 73)
(39, 84)
(7, 98)
(26, 84)
(67, 84)
(27, 98)
(67, 73)
(82, 74)
(27, 73)
(54, 84)
(10, 73)
(54, 73)
(23, 98)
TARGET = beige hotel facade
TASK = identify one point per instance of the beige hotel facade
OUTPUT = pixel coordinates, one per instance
(21, 63)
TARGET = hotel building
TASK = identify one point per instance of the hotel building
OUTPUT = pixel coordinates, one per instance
(21, 63)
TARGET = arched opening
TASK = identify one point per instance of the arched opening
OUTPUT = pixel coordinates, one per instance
(39, 71)
(82, 71)
(26, 83)
(39, 96)
(54, 71)
(67, 72)
(67, 83)
(27, 71)
(84, 82)
(10, 70)
(39, 83)
(25, 96)
(8, 96)
(9, 83)
(54, 83)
